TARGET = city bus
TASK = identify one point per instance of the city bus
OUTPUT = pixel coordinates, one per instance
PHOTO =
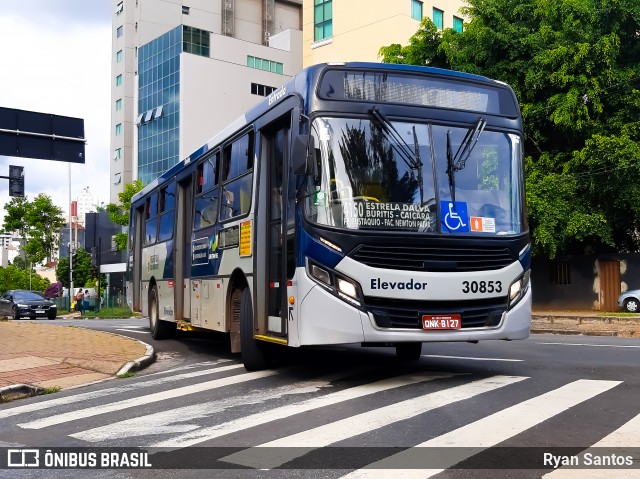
(359, 203)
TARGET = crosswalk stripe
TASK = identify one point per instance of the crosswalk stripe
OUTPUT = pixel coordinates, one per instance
(175, 420)
(330, 399)
(296, 445)
(626, 440)
(470, 358)
(143, 400)
(488, 431)
(39, 406)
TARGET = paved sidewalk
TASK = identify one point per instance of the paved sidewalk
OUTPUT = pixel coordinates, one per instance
(36, 356)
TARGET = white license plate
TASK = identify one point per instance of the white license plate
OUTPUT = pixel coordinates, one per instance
(39, 311)
(432, 322)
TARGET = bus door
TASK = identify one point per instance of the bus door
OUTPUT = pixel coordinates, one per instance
(182, 252)
(135, 262)
(278, 254)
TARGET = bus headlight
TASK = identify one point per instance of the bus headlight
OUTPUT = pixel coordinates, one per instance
(518, 288)
(320, 274)
(341, 286)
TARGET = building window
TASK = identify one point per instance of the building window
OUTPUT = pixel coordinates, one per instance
(416, 10)
(262, 90)
(119, 104)
(185, 10)
(119, 32)
(118, 129)
(438, 16)
(119, 56)
(119, 80)
(266, 65)
(561, 273)
(117, 178)
(119, 8)
(457, 24)
(117, 154)
(195, 41)
(322, 20)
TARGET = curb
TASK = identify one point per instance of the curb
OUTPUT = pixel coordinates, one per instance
(140, 363)
(574, 332)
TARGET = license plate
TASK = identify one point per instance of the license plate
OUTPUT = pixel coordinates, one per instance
(441, 321)
(39, 311)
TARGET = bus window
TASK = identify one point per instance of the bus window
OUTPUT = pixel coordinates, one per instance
(237, 177)
(151, 225)
(206, 204)
(167, 212)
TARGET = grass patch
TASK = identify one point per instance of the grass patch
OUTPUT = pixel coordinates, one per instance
(50, 390)
(128, 374)
(109, 313)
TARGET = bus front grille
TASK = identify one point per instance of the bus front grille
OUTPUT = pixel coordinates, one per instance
(445, 259)
(401, 313)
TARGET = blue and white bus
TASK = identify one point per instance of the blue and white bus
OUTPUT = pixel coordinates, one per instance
(360, 203)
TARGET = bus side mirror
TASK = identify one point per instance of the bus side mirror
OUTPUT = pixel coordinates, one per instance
(300, 157)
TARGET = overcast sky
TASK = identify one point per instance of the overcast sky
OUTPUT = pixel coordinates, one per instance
(56, 58)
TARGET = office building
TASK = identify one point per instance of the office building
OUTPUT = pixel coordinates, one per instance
(354, 30)
(184, 69)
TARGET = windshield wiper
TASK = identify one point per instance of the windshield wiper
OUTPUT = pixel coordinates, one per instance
(411, 158)
(458, 161)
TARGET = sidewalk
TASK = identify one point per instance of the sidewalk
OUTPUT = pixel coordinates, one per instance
(38, 356)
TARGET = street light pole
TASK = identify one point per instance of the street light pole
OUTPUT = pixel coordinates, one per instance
(70, 241)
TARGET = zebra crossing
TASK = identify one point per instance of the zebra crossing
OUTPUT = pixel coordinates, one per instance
(275, 419)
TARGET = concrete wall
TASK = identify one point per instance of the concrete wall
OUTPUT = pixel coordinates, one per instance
(361, 27)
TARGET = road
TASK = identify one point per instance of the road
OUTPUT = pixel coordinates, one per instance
(491, 409)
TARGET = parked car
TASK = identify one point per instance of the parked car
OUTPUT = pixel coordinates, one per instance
(19, 303)
(630, 301)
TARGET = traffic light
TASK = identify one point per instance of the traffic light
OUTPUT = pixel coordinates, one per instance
(74, 261)
(16, 181)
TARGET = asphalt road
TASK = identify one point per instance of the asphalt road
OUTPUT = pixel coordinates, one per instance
(335, 412)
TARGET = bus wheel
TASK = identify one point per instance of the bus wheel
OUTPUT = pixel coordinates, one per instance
(159, 329)
(408, 351)
(253, 353)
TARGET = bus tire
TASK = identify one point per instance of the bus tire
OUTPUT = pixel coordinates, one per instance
(254, 355)
(408, 351)
(159, 329)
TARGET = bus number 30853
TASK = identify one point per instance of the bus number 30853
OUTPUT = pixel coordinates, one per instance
(481, 286)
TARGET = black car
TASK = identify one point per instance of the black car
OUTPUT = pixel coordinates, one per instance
(20, 303)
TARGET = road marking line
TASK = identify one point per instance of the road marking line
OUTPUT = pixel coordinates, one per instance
(27, 408)
(176, 421)
(143, 400)
(330, 399)
(487, 432)
(469, 358)
(132, 331)
(296, 445)
(590, 345)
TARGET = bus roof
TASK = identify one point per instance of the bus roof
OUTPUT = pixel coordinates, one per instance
(301, 80)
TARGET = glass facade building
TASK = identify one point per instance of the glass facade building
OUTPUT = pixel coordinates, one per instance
(159, 104)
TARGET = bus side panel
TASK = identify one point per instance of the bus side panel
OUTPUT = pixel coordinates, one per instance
(208, 301)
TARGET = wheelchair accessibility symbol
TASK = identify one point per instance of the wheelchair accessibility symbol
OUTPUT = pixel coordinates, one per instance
(454, 217)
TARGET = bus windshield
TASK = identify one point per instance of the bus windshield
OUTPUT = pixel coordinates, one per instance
(375, 174)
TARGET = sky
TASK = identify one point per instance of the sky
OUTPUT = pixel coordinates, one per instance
(56, 58)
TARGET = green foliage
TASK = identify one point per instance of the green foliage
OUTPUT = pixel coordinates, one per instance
(83, 274)
(12, 277)
(119, 213)
(575, 67)
(38, 222)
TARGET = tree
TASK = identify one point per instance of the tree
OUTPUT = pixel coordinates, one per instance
(575, 68)
(119, 214)
(12, 277)
(38, 222)
(83, 273)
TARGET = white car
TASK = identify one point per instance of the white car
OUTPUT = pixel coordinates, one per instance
(630, 301)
